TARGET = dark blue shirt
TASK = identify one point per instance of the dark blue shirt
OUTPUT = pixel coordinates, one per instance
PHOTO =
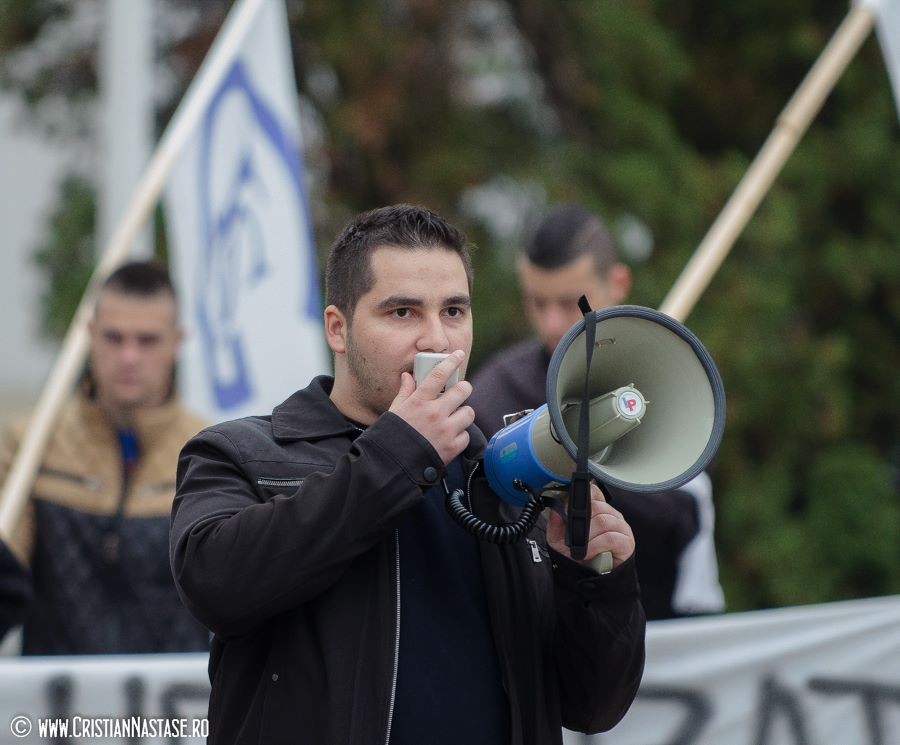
(449, 689)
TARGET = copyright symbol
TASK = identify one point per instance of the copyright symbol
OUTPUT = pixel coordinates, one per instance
(20, 726)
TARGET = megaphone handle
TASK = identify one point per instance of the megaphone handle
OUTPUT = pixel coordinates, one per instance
(578, 517)
(578, 524)
(603, 562)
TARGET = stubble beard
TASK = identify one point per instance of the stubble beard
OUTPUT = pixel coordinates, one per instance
(370, 392)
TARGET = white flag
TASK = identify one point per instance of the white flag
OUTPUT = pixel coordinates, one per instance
(241, 247)
(887, 20)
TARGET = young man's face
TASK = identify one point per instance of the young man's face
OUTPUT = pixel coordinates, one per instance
(550, 296)
(134, 341)
(419, 303)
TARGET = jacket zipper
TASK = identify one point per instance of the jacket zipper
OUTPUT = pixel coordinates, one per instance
(468, 494)
(161, 487)
(266, 481)
(387, 739)
(86, 481)
(112, 540)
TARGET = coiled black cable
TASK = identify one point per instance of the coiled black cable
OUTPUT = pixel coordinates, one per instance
(498, 534)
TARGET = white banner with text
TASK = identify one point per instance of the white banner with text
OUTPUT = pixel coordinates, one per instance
(812, 675)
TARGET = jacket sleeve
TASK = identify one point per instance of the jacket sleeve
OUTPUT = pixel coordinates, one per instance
(239, 559)
(599, 643)
(15, 591)
(21, 542)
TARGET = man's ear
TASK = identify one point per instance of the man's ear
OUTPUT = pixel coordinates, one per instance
(336, 327)
(618, 279)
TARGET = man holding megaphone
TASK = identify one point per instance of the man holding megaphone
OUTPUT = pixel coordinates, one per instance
(347, 605)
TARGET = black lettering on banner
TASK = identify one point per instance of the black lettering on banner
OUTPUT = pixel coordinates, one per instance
(178, 693)
(872, 696)
(59, 701)
(776, 700)
(698, 711)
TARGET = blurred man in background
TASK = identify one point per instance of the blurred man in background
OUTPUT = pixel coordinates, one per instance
(570, 254)
(87, 567)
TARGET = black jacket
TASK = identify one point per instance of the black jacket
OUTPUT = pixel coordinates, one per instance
(284, 544)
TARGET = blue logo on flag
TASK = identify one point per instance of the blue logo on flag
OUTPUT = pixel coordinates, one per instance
(234, 254)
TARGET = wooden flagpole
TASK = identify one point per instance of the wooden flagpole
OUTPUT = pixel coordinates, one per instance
(790, 127)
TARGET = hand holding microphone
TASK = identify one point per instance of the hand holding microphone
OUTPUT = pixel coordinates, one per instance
(434, 407)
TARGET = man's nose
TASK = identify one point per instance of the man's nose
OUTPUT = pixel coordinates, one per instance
(130, 352)
(556, 322)
(433, 337)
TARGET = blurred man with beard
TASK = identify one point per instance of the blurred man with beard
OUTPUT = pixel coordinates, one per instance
(87, 566)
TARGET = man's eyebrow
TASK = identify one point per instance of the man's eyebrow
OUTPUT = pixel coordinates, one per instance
(400, 301)
(463, 300)
(405, 301)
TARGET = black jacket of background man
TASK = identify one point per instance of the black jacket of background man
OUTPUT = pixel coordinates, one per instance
(284, 545)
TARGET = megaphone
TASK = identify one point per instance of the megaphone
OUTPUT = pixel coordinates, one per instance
(654, 416)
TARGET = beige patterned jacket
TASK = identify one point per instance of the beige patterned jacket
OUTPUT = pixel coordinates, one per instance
(96, 544)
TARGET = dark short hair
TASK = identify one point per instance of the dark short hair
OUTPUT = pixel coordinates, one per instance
(140, 278)
(568, 232)
(348, 271)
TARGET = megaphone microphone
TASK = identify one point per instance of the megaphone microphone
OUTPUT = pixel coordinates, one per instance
(634, 401)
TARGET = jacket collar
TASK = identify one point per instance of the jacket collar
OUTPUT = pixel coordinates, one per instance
(477, 442)
(150, 424)
(309, 414)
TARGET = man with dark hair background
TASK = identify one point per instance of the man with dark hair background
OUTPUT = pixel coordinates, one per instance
(347, 606)
(572, 253)
(87, 566)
